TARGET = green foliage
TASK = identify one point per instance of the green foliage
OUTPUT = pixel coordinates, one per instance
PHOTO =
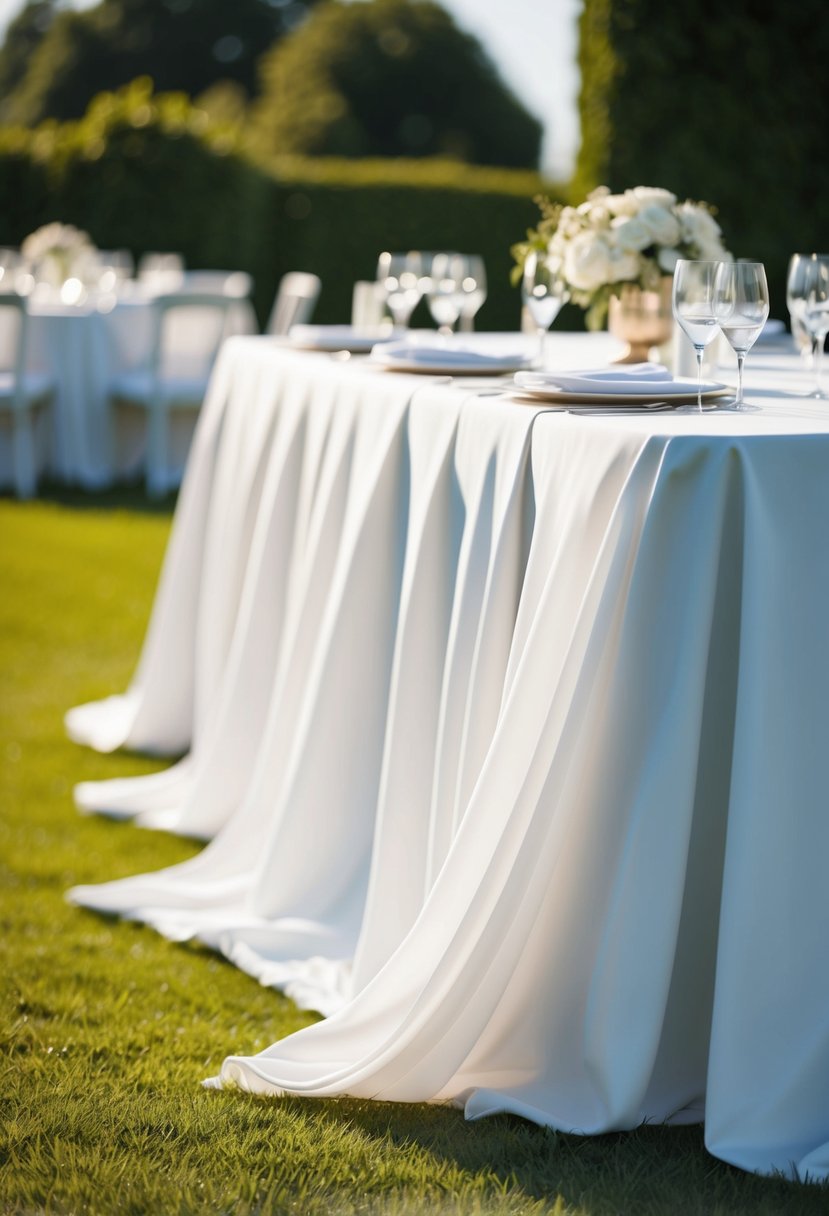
(140, 172)
(390, 78)
(148, 172)
(184, 45)
(722, 102)
(335, 217)
(106, 1029)
(23, 36)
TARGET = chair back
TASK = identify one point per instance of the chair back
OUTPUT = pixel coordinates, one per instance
(295, 301)
(14, 319)
(189, 328)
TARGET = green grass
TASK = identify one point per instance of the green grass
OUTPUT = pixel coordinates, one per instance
(106, 1029)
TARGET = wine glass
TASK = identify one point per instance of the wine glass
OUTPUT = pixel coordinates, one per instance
(544, 293)
(444, 290)
(741, 301)
(474, 292)
(807, 296)
(401, 277)
(695, 308)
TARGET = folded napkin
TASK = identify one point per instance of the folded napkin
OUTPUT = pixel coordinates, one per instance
(624, 378)
(458, 356)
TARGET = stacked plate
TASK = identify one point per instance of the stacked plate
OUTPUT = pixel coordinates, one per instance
(642, 384)
(332, 338)
(446, 360)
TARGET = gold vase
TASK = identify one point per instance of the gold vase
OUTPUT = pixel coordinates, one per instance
(640, 318)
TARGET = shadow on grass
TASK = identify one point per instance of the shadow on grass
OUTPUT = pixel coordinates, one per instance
(652, 1169)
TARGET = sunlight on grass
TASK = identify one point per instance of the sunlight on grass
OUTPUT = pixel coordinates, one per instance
(107, 1029)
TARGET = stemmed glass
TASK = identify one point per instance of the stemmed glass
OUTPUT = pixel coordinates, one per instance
(401, 277)
(696, 307)
(444, 289)
(474, 292)
(544, 293)
(741, 301)
(807, 296)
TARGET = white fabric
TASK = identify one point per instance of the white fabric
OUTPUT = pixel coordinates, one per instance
(575, 710)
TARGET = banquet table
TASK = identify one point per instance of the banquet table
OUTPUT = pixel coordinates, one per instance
(83, 347)
(506, 727)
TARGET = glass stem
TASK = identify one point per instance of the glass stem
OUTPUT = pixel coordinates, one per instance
(699, 352)
(741, 358)
(817, 356)
(542, 334)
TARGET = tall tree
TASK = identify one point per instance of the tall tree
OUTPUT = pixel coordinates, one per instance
(23, 37)
(185, 45)
(390, 78)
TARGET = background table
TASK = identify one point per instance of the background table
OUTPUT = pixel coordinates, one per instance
(525, 713)
(83, 347)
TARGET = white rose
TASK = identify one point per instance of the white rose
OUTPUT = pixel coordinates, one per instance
(698, 225)
(621, 204)
(631, 235)
(667, 259)
(624, 266)
(713, 251)
(662, 224)
(599, 216)
(587, 262)
(646, 195)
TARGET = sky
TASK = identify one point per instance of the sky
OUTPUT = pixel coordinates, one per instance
(533, 43)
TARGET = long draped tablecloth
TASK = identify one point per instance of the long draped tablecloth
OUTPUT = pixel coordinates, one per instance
(508, 727)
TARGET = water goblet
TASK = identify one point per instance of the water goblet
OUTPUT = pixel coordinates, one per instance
(695, 308)
(444, 290)
(807, 297)
(401, 277)
(544, 293)
(474, 292)
(741, 301)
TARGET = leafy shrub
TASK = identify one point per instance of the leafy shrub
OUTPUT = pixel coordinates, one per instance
(151, 172)
(719, 102)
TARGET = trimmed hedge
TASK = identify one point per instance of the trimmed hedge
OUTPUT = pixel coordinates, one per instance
(148, 172)
(726, 103)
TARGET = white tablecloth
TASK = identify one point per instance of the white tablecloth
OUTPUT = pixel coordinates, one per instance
(523, 711)
(83, 348)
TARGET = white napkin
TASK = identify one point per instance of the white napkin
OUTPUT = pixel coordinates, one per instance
(624, 378)
(430, 356)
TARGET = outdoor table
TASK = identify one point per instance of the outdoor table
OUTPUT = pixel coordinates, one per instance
(84, 346)
(509, 726)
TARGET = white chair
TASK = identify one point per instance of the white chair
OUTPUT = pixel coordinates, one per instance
(22, 393)
(188, 329)
(295, 301)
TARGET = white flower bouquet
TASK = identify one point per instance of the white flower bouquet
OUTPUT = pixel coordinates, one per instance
(612, 239)
(57, 252)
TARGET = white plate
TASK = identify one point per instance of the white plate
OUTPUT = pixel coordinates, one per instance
(332, 338)
(447, 366)
(671, 390)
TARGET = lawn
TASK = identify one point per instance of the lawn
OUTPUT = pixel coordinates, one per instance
(106, 1029)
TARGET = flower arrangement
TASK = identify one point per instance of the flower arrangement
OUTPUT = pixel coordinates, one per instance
(611, 239)
(58, 252)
